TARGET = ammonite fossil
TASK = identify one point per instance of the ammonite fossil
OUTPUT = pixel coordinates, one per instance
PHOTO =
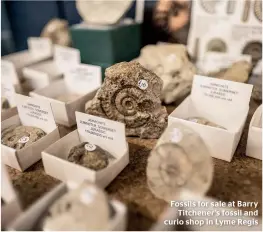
(4, 103)
(254, 49)
(58, 31)
(83, 209)
(67, 97)
(131, 94)
(180, 161)
(89, 156)
(19, 137)
(246, 11)
(258, 9)
(209, 6)
(216, 45)
(204, 122)
(231, 4)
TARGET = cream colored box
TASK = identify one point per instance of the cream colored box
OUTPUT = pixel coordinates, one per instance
(222, 102)
(28, 220)
(36, 113)
(254, 140)
(111, 138)
(10, 209)
(41, 74)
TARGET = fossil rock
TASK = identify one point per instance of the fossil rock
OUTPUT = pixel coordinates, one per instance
(19, 137)
(179, 161)
(170, 62)
(131, 94)
(4, 103)
(204, 122)
(95, 158)
(239, 71)
(83, 209)
(67, 97)
(257, 93)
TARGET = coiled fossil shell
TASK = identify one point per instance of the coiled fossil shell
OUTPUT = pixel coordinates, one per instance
(121, 99)
(179, 161)
(11, 136)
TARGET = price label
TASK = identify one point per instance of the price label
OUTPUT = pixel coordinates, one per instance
(24, 139)
(176, 135)
(143, 84)
(40, 46)
(87, 195)
(90, 147)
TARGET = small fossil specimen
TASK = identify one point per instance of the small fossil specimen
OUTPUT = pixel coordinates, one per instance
(258, 9)
(216, 45)
(170, 62)
(67, 97)
(254, 49)
(246, 10)
(204, 122)
(209, 6)
(257, 93)
(19, 137)
(179, 161)
(4, 103)
(131, 94)
(95, 158)
(83, 209)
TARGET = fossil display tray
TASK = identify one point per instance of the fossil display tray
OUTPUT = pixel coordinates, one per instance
(56, 164)
(28, 220)
(239, 180)
(254, 141)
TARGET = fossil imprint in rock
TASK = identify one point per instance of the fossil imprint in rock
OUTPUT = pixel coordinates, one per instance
(131, 94)
(170, 62)
(180, 161)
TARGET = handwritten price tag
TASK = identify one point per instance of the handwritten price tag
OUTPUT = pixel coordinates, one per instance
(143, 84)
(24, 139)
(90, 147)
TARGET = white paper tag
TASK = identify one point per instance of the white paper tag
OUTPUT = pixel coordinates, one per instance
(83, 78)
(108, 134)
(176, 135)
(8, 92)
(90, 147)
(8, 72)
(66, 58)
(35, 112)
(40, 46)
(24, 139)
(142, 84)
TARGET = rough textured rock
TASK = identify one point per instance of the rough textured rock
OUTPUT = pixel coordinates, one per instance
(170, 62)
(95, 160)
(19, 137)
(179, 161)
(131, 94)
(82, 209)
(239, 71)
(204, 122)
(67, 97)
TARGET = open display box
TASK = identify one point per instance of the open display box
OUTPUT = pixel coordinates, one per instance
(254, 141)
(55, 157)
(25, 157)
(29, 219)
(222, 102)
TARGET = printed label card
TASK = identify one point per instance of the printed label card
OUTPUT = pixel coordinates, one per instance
(40, 47)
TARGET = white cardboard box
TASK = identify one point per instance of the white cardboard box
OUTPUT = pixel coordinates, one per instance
(82, 80)
(223, 102)
(11, 207)
(111, 138)
(31, 112)
(28, 220)
(254, 140)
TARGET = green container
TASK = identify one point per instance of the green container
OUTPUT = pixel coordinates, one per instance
(107, 44)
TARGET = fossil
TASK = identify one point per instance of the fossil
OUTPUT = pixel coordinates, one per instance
(216, 45)
(204, 122)
(257, 93)
(82, 209)
(246, 10)
(231, 4)
(254, 49)
(131, 94)
(209, 6)
(95, 159)
(18, 137)
(170, 62)
(4, 103)
(67, 97)
(180, 161)
(258, 9)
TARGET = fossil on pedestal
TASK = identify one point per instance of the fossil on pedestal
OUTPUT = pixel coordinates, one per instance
(170, 62)
(131, 94)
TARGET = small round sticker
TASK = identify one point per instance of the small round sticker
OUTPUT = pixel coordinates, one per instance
(143, 84)
(24, 139)
(87, 195)
(90, 147)
(176, 135)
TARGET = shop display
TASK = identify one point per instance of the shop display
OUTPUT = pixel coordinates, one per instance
(170, 62)
(204, 121)
(131, 94)
(58, 31)
(19, 137)
(90, 156)
(180, 161)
